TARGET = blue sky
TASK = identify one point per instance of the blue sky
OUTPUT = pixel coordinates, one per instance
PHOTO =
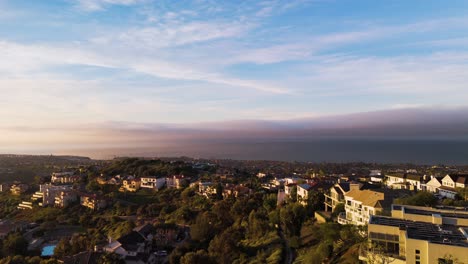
(78, 62)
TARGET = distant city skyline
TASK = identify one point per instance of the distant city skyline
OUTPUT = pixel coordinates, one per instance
(86, 72)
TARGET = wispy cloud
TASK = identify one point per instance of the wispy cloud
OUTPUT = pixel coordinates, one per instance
(95, 5)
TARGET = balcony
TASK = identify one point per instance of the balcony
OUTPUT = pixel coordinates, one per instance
(342, 219)
(372, 255)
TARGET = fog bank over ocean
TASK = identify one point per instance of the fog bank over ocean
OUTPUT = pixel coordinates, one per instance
(335, 150)
(423, 135)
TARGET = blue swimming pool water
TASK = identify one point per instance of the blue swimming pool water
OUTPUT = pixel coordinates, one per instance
(48, 251)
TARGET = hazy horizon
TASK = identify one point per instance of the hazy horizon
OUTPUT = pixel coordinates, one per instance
(129, 74)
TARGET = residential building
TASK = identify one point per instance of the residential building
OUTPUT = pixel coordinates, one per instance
(432, 185)
(288, 188)
(152, 182)
(65, 198)
(303, 193)
(450, 183)
(134, 247)
(405, 241)
(131, 185)
(176, 181)
(47, 193)
(405, 181)
(206, 188)
(336, 194)
(64, 177)
(360, 205)
(19, 188)
(233, 190)
(93, 201)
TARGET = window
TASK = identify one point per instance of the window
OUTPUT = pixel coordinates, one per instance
(417, 251)
(444, 261)
(418, 257)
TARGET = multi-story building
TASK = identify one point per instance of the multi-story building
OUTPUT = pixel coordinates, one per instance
(65, 198)
(360, 205)
(93, 201)
(176, 181)
(303, 193)
(288, 188)
(131, 185)
(152, 182)
(336, 194)
(206, 188)
(47, 193)
(64, 177)
(393, 240)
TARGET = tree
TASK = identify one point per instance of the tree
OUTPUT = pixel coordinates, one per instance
(110, 258)
(224, 247)
(201, 256)
(15, 244)
(292, 217)
(419, 199)
(203, 228)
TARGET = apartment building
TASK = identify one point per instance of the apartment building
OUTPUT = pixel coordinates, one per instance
(360, 205)
(336, 194)
(64, 177)
(65, 198)
(405, 241)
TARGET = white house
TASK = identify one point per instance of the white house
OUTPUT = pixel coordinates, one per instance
(404, 181)
(152, 182)
(360, 205)
(303, 193)
(432, 185)
(450, 183)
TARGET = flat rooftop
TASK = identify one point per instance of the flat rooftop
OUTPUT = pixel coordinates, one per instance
(430, 211)
(440, 234)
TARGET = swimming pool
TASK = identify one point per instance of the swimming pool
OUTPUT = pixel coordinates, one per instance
(48, 251)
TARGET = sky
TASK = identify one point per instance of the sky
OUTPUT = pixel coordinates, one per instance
(70, 65)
